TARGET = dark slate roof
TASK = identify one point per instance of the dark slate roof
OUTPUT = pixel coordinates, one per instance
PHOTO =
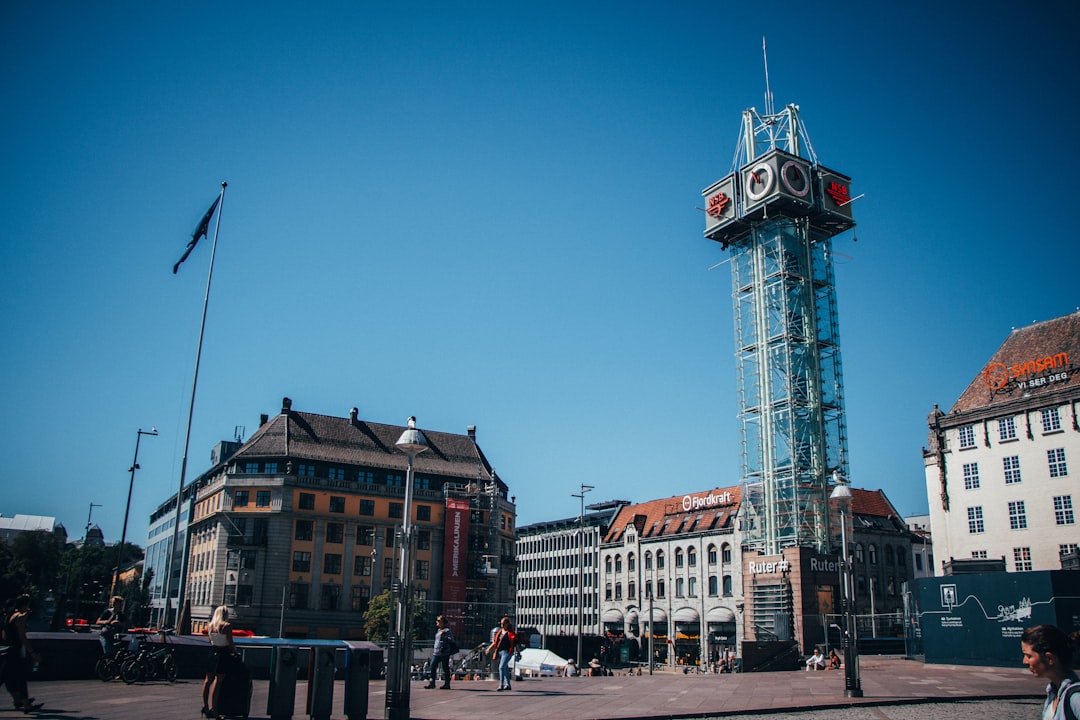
(1031, 344)
(321, 438)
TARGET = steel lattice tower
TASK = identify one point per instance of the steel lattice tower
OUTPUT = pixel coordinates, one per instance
(777, 212)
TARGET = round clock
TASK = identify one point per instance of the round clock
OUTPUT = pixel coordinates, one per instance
(759, 181)
(795, 179)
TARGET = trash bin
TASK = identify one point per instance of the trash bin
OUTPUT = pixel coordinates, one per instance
(282, 697)
(320, 697)
(357, 675)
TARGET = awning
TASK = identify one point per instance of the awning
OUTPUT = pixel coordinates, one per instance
(720, 615)
(612, 616)
(632, 617)
(686, 615)
(658, 615)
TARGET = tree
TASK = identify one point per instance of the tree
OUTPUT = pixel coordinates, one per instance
(380, 613)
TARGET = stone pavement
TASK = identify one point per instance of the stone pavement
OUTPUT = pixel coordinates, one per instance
(885, 681)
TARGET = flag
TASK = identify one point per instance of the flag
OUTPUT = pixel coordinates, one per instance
(200, 232)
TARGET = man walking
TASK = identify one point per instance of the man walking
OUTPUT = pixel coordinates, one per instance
(445, 646)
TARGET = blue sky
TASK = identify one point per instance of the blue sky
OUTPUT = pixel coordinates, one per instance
(485, 214)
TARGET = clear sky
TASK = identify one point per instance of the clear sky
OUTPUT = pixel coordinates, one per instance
(486, 214)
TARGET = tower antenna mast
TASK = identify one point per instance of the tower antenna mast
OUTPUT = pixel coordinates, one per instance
(768, 92)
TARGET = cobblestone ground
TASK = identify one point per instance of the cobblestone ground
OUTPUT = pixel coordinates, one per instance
(965, 710)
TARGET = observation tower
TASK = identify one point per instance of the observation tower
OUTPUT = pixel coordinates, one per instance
(777, 212)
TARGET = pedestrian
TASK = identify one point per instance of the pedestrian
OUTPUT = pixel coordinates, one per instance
(1048, 654)
(18, 654)
(112, 624)
(502, 647)
(440, 654)
(219, 632)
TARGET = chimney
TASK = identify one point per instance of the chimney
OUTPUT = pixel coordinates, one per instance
(353, 415)
(263, 419)
(286, 405)
(471, 429)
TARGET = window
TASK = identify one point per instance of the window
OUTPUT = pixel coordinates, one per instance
(328, 599)
(397, 510)
(331, 564)
(1051, 420)
(1022, 558)
(710, 555)
(859, 552)
(367, 507)
(648, 588)
(648, 561)
(678, 557)
(362, 566)
(1063, 510)
(335, 473)
(618, 591)
(661, 588)
(631, 589)
(388, 537)
(365, 477)
(423, 513)
(1006, 429)
(971, 476)
(1056, 458)
(394, 480)
(306, 470)
(679, 587)
(423, 540)
(725, 554)
(423, 569)
(659, 559)
(387, 568)
(872, 553)
(618, 563)
(298, 595)
(262, 498)
(607, 591)
(978, 554)
(967, 436)
(714, 587)
(1011, 464)
(727, 586)
(337, 504)
(1066, 549)
(421, 483)
(693, 586)
(307, 501)
(607, 565)
(304, 530)
(365, 535)
(691, 558)
(631, 564)
(251, 468)
(361, 596)
(301, 561)
(975, 520)
(1017, 515)
(240, 498)
(270, 468)
(335, 532)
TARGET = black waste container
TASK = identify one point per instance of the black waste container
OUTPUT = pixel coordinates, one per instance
(282, 697)
(357, 675)
(320, 697)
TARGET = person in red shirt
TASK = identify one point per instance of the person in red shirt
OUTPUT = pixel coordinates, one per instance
(503, 647)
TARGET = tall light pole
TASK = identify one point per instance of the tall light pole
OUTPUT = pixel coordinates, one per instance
(399, 656)
(841, 495)
(127, 508)
(581, 571)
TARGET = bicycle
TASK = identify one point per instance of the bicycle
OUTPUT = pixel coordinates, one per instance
(108, 665)
(150, 664)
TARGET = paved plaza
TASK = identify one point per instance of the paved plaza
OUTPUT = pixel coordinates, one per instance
(894, 688)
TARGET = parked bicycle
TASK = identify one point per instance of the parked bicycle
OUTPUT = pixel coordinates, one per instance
(150, 663)
(108, 665)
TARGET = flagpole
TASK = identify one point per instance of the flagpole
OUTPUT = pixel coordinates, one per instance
(187, 434)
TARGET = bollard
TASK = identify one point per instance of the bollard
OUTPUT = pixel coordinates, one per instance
(320, 697)
(357, 675)
(282, 697)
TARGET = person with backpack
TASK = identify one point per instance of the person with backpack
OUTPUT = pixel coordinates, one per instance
(445, 647)
(503, 647)
(1048, 654)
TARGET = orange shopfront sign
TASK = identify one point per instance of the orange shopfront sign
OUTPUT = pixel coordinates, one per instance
(998, 375)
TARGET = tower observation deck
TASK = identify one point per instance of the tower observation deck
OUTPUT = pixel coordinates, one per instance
(777, 212)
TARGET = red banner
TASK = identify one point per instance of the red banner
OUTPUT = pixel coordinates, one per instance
(457, 545)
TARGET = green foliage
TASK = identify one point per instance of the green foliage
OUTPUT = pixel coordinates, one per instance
(379, 618)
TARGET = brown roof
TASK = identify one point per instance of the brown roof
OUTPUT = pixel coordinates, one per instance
(666, 517)
(1042, 350)
(321, 438)
(872, 502)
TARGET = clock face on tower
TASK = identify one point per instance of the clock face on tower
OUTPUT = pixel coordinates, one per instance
(795, 178)
(777, 180)
(759, 181)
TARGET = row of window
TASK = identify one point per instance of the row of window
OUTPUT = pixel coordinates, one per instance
(1018, 520)
(306, 501)
(334, 532)
(1022, 556)
(684, 587)
(688, 558)
(362, 565)
(1006, 426)
(389, 479)
(1055, 459)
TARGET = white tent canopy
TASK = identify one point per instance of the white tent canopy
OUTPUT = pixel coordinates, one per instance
(538, 662)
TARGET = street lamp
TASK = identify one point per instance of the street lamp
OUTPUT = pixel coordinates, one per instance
(127, 508)
(399, 652)
(841, 495)
(581, 570)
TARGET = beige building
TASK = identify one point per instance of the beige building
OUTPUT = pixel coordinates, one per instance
(998, 473)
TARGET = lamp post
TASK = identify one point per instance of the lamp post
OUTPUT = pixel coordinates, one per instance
(581, 571)
(652, 630)
(399, 652)
(841, 495)
(127, 508)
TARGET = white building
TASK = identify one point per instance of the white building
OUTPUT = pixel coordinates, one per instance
(998, 473)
